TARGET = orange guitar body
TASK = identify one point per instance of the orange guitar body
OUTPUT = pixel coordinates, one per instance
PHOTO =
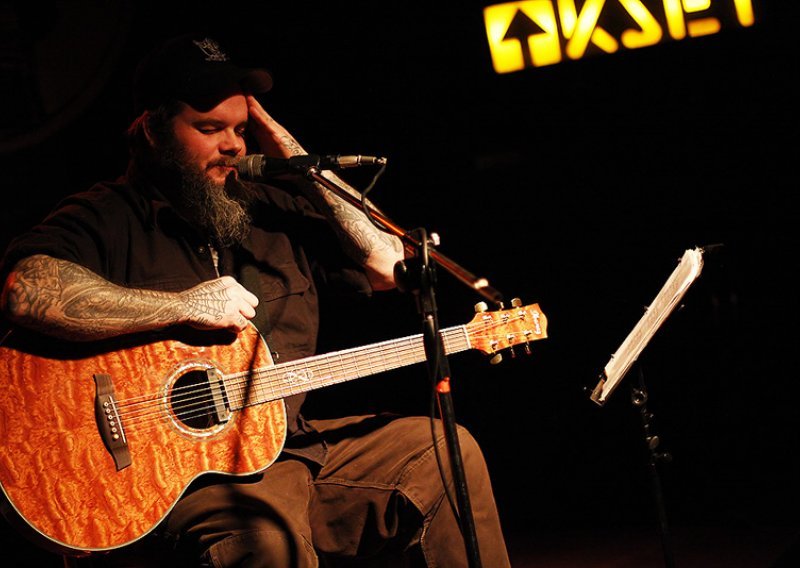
(57, 474)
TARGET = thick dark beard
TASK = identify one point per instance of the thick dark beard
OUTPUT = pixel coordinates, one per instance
(219, 210)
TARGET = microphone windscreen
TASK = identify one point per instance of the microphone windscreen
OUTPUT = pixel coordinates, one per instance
(250, 167)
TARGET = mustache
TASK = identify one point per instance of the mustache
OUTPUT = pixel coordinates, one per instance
(227, 162)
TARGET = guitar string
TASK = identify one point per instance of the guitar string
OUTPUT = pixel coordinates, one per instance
(269, 385)
(198, 405)
(186, 411)
(275, 375)
(261, 386)
(391, 345)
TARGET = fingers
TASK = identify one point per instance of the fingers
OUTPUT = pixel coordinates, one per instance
(219, 304)
(273, 139)
(239, 305)
(235, 288)
(257, 112)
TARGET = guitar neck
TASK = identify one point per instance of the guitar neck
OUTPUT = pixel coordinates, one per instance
(271, 383)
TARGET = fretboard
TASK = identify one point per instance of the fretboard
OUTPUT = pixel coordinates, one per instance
(271, 383)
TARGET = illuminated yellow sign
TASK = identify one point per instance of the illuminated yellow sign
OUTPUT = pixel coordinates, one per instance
(534, 33)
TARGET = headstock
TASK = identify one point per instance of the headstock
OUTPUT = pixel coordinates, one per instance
(493, 331)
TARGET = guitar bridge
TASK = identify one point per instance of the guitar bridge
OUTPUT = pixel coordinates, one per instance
(219, 398)
(109, 423)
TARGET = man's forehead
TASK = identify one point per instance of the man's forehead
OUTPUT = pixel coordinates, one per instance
(230, 109)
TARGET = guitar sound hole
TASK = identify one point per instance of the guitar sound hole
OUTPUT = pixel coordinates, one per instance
(198, 402)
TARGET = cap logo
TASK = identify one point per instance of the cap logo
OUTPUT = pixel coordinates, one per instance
(211, 49)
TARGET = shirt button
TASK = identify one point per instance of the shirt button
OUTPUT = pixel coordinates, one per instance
(201, 249)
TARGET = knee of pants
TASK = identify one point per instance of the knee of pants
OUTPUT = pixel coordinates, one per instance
(421, 427)
(471, 453)
(261, 548)
(421, 479)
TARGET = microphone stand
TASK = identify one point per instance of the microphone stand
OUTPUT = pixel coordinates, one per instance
(418, 276)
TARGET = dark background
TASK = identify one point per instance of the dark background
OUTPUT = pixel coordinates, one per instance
(577, 186)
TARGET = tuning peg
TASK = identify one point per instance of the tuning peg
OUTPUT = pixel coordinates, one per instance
(516, 302)
(496, 358)
(481, 307)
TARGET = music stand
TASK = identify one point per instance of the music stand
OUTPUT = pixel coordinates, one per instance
(689, 267)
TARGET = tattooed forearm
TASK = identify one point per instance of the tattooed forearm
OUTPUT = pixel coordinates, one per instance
(377, 251)
(357, 233)
(66, 300)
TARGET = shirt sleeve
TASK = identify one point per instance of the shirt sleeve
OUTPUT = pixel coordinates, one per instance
(81, 229)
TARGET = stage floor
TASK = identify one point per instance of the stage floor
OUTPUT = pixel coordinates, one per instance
(618, 547)
(690, 547)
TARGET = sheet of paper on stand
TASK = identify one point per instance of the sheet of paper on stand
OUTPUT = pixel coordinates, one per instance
(687, 271)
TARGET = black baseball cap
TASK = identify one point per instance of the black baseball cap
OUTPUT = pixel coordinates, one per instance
(194, 69)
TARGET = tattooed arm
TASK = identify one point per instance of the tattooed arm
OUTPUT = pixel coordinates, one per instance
(66, 300)
(375, 250)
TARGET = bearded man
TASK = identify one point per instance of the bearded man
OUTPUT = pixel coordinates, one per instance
(180, 242)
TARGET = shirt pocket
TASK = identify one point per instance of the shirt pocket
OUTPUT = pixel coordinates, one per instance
(287, 313)
(285, 280)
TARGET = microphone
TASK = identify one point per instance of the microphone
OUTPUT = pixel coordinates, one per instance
(255, 167)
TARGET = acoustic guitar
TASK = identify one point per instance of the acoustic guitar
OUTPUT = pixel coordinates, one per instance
(100, 440)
